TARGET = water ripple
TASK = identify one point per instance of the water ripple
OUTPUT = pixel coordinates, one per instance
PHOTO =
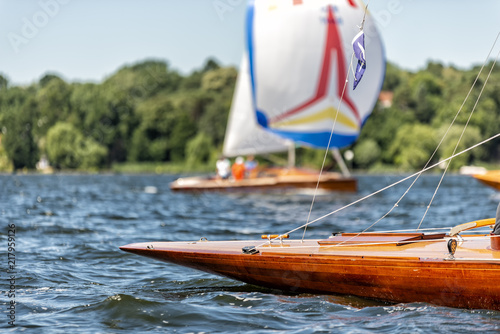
(72, 278)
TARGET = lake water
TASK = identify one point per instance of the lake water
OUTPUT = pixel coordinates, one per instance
(70, 277)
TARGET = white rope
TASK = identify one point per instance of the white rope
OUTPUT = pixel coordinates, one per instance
(276, 247)
(435, 151)
(381, 243)
(327, 148)
(414, 230)
(364, 16)
(389, 186)
(466, 124)
(442, 140)
(438, 146)
(351, 67)
(308, 222)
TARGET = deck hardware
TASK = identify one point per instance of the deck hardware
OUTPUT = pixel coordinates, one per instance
(203, 239)
(452, 247)
(249, 250)
(149, 247)
(271, 237)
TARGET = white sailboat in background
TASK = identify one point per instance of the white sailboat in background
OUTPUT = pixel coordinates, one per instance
(292, 90)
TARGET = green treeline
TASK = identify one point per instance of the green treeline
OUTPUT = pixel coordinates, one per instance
(148, 113)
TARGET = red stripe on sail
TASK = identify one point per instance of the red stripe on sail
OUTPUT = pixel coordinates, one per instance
(333, 44)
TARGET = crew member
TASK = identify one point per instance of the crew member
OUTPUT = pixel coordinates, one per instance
(238, 169)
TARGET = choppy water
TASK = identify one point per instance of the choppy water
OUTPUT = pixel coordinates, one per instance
(70, 276)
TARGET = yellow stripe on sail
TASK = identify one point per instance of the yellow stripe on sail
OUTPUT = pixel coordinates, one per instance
(328, 113)
(272, 5)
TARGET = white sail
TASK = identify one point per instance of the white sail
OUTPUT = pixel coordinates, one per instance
(243, 135)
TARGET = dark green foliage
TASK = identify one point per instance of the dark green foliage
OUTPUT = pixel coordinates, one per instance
(53, 99)
(413, 146)
(148, 112)
(366, 153)
(199, 150)
(163, 132)
(18, 124)
(68, 148)
(425, 103)
(393, 77)
(4, 83)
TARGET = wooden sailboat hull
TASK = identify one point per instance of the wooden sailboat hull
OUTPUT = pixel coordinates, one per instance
(276, 179)
(490, 178)
(414, 272)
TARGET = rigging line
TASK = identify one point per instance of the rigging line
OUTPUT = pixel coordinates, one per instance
(333, 127)
(463, 131)
(323, 249)
(382, 243)
(364, 16)
(390, 186)
(438, 146)
(344, 243)
(412, 229)
(327, 148)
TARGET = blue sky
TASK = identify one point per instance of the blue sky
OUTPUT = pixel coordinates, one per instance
(88, 40)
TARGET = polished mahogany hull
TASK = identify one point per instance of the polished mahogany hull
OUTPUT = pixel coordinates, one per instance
(396, 273)
(490, 178)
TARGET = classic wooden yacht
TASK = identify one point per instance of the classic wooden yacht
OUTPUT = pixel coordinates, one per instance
(490, 178)
(447, 268)
(271, 179)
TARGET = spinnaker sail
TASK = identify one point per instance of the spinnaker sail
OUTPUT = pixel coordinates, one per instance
(299, 53)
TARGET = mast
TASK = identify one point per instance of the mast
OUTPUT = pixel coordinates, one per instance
(338, 157)
(291, 155)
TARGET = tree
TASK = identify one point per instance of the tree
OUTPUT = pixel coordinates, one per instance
(162, 133)
(53, 100)
(97, 120)
(4, 83)
(366, 153)
(18, 115)
(426, 92)
(199, 150)
(381, 127)
(393, 77)
(68, 148)
(413, 146)
(148, 112)
(218, 85)
(218, 80)
(455, 142)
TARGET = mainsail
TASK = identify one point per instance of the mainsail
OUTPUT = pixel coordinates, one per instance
(299, 54)
(243, 135)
